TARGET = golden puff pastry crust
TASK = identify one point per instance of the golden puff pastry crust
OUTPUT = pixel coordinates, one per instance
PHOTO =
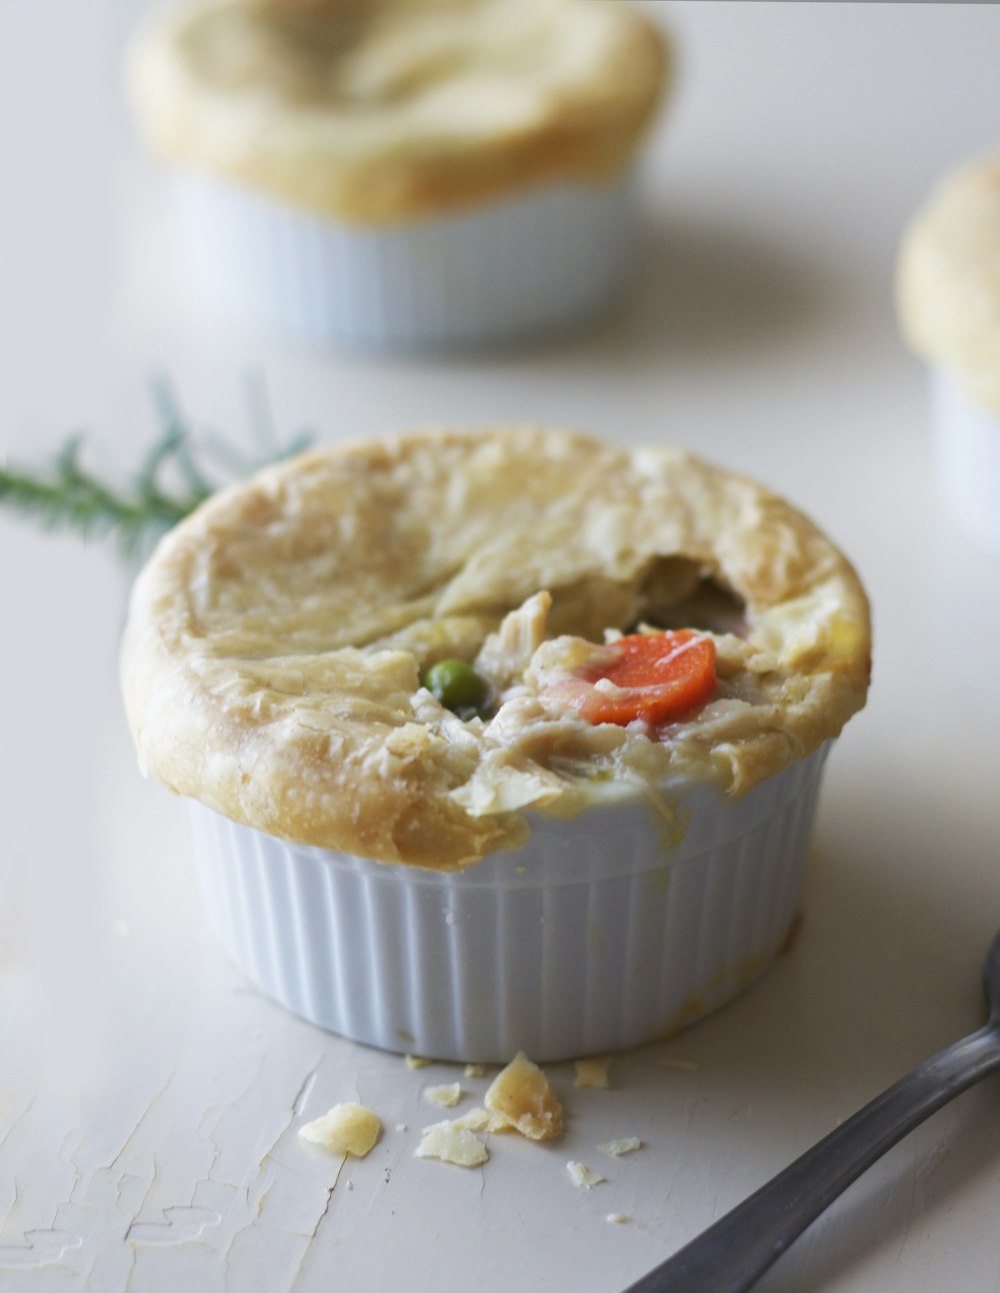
(948, 283)
(375, 111)
(276, 640)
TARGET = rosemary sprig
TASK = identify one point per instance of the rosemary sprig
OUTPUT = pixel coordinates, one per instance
(170, 483)
(73, 499)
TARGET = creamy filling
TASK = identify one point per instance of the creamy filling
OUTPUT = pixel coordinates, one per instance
(526, 749)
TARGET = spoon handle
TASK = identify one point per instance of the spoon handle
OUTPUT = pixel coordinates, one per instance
(734, 1252)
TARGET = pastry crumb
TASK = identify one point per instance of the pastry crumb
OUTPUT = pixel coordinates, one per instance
(616, 1218)
(582, 1175)
(345, 1129)
(415, 1061)
(450, 1143)
(401, 1126)
(520, 1097)
(594, 1072)
(475, 1070)
(626, 1145)
(474, 1120)
(447, 1095)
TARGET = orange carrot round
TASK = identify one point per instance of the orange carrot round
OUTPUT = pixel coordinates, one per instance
(655, 677)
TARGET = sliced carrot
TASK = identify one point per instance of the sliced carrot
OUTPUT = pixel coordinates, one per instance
(655, 677)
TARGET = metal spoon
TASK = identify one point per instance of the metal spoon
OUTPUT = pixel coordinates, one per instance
(733, 1253)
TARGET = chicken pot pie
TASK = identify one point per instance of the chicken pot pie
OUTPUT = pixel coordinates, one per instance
(393, 173)
(948, 292)
(631, 621)
(949, 280)
(385, 110)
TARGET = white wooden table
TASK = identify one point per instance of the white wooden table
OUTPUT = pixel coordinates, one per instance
(149, 1099)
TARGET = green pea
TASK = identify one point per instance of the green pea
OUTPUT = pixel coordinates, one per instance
(457, 686)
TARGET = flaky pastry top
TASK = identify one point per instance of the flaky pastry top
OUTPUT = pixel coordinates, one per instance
(277, 639)
(383, 110)
(948, 283)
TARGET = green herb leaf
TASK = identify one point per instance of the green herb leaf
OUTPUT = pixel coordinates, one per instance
(169, 484)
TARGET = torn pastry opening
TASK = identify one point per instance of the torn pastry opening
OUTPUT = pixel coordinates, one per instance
(611, 651)
(676, 592)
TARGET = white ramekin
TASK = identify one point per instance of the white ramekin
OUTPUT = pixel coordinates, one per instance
(604, 932)
(967, 444)
(533, 265)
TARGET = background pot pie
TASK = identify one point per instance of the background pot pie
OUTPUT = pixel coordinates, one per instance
(402, 171)
(663, 653)
(948, 291)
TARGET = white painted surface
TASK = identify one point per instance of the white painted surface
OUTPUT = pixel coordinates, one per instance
(148, 1100)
